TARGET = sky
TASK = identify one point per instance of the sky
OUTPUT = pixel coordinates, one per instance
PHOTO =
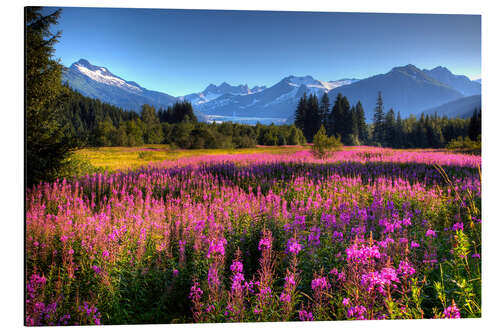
(182, 51)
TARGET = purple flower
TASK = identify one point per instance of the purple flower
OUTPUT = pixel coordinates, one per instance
(305, 316)
(236, 266)
(314, 236)
(452, 312)
(264, 244)
(285, 298)
(430, 233)
(405, 269)
(356, 312)
(320, 283)
(293, 246)
(345, 301)
(195, 292)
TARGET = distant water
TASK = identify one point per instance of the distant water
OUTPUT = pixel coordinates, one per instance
(244, 120)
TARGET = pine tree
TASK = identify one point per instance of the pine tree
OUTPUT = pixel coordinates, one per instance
(47, 142)
(362, 127)
(399, 132)
(324, 109)
(300, 113)
(378, 121)
(475, 125)
(390, 129)
(336, 118)
(312, 118)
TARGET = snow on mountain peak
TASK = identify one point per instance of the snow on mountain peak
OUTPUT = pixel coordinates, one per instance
(102, 75)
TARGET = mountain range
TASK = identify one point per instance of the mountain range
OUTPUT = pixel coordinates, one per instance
(406, 89)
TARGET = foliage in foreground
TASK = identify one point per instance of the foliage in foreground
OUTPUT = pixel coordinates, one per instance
(382, 235)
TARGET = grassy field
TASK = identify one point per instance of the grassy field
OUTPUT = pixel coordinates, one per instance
(123, 158)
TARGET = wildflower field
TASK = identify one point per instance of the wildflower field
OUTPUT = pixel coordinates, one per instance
(369, 233)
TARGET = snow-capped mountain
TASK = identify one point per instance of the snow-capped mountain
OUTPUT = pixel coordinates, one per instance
(98, 82)
(212, 92)
(277, 102)
(407, 89)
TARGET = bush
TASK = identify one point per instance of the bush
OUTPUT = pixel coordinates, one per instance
(324, 145)
(461, 143)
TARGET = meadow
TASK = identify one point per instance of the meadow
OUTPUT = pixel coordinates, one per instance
(264, 234)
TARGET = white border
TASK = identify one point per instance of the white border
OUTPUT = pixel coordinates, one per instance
(11, 69)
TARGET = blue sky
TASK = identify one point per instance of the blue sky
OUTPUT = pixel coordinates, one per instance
(182, 51)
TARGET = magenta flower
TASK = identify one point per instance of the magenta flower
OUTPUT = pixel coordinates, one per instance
(293, 246)
(264, 244)
(305, 316)
(452, 312)
(320, 283)
(430, 233)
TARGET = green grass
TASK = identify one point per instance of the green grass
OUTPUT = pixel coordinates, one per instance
(130, 158)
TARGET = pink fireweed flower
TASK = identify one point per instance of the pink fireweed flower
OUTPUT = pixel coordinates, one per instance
(430, 233)
(293, 246)
(216, 247)
(405, 269)
(289, 280)
(362, 254)
(264, 244)
(285, 298)
(452, 312)
(414, 244)
(305, 316)
(320, 283)
(195, 292)
(105, 253)
(357, 312)
(96, 269)
(345, 301)
(236, 266)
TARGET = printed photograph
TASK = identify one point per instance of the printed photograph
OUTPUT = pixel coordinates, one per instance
(216, 166)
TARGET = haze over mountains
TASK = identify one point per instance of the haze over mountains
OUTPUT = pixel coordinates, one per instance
(406, 89)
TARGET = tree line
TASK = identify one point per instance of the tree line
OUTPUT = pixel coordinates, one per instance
(387, 129)
(99, 124)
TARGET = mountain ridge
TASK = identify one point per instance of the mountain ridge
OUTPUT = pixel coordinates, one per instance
(407, 89)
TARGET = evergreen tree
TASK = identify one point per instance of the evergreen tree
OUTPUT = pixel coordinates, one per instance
(475, 125)
(390, 129)
(312, 117)
(324, 109)
(336, 118)
(48, 144)
(361, 122)
(378, 121)
(300, 113)
(153, 133)
(399, 134)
